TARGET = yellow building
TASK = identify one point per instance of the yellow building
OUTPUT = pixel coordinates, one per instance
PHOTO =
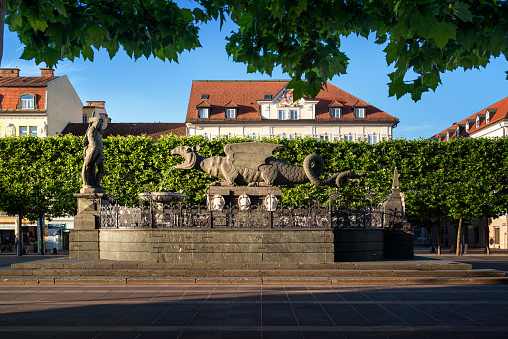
(39, 106)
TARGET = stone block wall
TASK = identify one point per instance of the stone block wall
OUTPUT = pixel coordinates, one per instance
(216, 245)
(358, 244)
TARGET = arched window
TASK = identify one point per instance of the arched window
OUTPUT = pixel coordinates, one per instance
(27, 101)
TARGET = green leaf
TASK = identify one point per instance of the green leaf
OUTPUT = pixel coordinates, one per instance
(442, 32)
(461, 10)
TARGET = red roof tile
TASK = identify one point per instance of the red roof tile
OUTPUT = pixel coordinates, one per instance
(501, 112)
(246, 94)
(153, 130)
(335, 103)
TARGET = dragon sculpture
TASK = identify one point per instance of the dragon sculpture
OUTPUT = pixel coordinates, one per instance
(253, 164)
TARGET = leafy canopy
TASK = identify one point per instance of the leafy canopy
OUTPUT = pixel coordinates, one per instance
(423, 38)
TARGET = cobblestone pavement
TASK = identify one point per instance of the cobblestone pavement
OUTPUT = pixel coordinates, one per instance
(253, 311)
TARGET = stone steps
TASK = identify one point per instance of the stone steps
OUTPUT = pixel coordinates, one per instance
(254, 280)
(252, 273)
(70, 271)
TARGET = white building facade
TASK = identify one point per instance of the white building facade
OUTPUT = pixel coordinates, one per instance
(258, 109)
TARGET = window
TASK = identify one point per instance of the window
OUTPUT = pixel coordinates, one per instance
(291, 115)
(457, 134)
(23, 131)
(203, 113)
(360, 113)
(231, 113)
(477, 121)
(497, 235)
(447, 135)
(372, 139)
(33, 131)
(487, 117)
(467, 126)
(335, 112)
(27, 101)
(205, 96)
(283, 115)
(349, 137)
(268, 96)
(85, 119)
(324, 137)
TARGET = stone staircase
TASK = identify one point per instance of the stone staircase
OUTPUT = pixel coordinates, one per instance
(81, 271)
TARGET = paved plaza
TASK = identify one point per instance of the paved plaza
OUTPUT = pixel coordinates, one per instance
(254, 311)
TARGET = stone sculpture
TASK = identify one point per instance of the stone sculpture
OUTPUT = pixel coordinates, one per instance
(93, 164)
(244, 202)
(252, 164)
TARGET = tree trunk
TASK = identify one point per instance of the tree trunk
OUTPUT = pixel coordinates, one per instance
(40, 241)
(3, 9)
(438, 235)
(19, 235)
(487, 236)
(459, 230)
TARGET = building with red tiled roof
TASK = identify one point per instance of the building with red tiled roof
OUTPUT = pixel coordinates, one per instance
(152, 130)
(489, 122)
(266, 108)
(40, 106)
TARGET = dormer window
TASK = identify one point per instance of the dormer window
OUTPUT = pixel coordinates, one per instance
(447, 135)
(204, 113)
(477, 121)
(360, 112)
(27, 101)
(467, 126)
(230, 113)
(335, 112)
(457, 134)
(487, 117)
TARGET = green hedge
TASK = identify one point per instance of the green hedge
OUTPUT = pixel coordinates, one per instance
(460, 178)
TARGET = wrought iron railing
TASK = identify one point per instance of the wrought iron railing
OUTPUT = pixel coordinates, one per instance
(199, 216)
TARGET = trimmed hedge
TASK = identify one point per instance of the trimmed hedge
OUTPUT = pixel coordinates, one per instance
(460, 178)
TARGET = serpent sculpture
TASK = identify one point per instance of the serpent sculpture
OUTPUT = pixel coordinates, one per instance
(252, 164)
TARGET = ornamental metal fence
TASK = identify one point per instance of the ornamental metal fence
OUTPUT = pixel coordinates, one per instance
(179, 215)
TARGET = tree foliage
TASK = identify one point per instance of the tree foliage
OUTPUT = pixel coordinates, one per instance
(423, 38)
(464, 178)
(38, 176)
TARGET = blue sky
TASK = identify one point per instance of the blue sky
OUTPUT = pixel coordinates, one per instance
(153, 91)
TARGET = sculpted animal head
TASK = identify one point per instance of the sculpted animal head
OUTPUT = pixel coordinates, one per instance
(189, 155)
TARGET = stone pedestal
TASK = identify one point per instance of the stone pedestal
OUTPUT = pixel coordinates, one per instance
(398, 237)
(84, 238)
(256, 195)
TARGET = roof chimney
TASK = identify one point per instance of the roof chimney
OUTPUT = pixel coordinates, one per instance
(47, 73)
(9, 72)
(96, 103)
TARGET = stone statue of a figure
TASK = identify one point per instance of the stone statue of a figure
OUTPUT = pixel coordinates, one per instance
(93, 165)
